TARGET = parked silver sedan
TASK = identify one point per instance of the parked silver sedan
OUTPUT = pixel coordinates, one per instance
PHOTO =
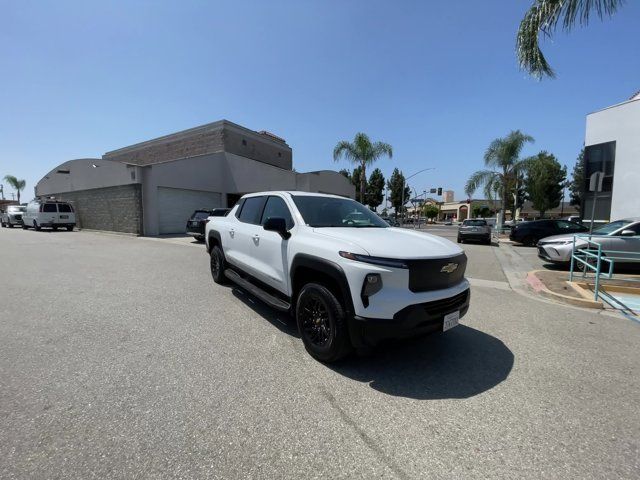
(620, 236)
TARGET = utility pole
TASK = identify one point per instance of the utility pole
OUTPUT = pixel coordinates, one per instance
(2, 191)
(404, 183)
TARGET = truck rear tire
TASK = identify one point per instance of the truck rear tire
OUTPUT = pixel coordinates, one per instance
(218, 265)
(322, 323)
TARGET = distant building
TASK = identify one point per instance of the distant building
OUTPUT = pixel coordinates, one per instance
(462, 210)
(612, 145)
(152, 187)
(447, 196)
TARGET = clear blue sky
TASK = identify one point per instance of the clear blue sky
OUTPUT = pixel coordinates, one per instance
(437, 80)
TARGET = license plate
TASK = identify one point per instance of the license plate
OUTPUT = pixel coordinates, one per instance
(450, 320)
(64, 217)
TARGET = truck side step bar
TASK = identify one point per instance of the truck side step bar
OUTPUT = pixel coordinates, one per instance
(257, 291)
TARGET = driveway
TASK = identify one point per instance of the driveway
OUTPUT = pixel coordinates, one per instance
(120, 358)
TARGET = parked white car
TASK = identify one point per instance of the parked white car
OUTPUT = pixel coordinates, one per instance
(12, 216)
(349, 278)
(49, 214)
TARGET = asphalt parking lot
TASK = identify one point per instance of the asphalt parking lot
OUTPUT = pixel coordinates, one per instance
(120, 358)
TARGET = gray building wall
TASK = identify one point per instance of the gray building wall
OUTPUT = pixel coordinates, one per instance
(226, 173)
(116, 209)
(120, 191)
(211, 138)
(81, 174)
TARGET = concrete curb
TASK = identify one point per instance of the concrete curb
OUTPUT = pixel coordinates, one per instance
(539, 287)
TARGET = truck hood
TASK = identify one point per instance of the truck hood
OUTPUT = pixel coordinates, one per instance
(393, 242)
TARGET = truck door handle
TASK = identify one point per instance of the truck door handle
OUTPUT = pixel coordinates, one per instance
(232, 232)
(256, 238)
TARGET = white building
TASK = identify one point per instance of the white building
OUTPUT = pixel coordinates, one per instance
(612, 145)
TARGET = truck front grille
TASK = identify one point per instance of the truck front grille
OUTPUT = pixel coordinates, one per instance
(437, 273)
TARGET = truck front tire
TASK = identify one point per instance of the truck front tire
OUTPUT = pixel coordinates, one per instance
(218, 265)
(322, 323)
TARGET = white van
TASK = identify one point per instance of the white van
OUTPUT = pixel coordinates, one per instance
(49, 213)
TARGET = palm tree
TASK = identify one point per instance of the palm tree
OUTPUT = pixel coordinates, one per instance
(16, 184)
(362, 152)
(544, 17)
(504, 165)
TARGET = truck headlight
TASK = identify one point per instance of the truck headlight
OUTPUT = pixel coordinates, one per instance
(383, 262)
(372, 284)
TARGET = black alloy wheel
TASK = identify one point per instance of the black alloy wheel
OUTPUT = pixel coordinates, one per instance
(529, 241)
(322, 323)
(217, 265)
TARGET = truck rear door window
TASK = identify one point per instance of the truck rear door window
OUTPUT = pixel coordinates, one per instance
(64, 208)
(49, 208)
(252, 210)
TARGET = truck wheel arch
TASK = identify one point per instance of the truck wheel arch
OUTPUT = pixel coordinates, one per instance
(321, 269)
(214, 239)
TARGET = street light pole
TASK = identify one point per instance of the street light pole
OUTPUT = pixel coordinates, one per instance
(404, 182)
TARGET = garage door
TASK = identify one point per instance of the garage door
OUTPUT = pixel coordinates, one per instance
(176, 205)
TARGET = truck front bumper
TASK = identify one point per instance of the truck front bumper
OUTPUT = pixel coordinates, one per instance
(412, 321)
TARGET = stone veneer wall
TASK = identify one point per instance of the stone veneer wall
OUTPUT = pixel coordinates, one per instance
(115, 209)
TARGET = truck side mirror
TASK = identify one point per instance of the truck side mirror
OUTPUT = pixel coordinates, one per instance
(277, 224)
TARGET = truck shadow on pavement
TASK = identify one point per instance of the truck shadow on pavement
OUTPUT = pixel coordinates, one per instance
(458, 364)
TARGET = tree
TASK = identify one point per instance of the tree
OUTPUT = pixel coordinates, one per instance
(545, 181)
(375, 189)
(356, 178)
(346, 173)
(394, 185)
(361, 152)
(577, 183)
(17, 185)
(544, 17)
(430, 210)
(481, 211)
(504, 167)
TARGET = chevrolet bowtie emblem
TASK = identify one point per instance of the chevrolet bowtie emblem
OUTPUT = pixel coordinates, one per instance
(449, 268)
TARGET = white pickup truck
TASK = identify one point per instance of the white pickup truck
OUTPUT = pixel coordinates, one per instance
(349, 279)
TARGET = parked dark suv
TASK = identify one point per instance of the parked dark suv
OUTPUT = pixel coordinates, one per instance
(197, 221)
(528, 233)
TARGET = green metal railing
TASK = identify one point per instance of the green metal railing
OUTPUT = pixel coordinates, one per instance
(592, 257)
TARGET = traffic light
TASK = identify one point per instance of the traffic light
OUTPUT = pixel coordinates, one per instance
(439, 191)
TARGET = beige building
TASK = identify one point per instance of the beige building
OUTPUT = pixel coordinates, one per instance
(447, 196)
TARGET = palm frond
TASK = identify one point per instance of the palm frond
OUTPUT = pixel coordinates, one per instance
(478, 179)
(345, 149)
(382, 148)
(543, 17)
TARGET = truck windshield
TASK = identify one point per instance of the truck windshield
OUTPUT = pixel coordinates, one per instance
(336, 212)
